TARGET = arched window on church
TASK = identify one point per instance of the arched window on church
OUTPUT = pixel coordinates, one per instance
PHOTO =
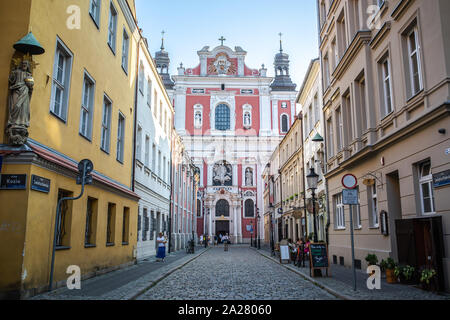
(284, 123)
(198, 116)
(222, 208)
(249, 208)
(222, 116)
(247, 116)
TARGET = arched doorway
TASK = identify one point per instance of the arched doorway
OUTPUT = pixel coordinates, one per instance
(222, 211)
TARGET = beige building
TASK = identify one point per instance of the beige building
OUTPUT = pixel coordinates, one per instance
(310, 102)
(292, 184)
(386, 107)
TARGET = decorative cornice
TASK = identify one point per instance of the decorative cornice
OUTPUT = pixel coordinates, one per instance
(362, 37)
(400, 9)
(380, 35)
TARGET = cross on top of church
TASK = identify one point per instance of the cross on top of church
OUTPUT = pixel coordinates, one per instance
(281, 47)
(222, 39)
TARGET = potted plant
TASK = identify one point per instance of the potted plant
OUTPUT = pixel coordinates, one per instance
(407, 274)
(291, 198)
(296, 196)
(383, 267)
(389, 268)
(427, 278)
(372, 259)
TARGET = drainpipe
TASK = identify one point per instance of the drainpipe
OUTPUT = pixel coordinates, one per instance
(171, 191)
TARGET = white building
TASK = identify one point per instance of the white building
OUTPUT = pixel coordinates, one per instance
(153, 154)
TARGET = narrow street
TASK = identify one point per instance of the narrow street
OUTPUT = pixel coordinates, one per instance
(239, 274)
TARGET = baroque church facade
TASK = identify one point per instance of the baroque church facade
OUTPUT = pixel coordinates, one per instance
(231, 118)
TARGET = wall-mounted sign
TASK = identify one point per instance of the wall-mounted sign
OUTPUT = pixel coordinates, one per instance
(13, 182)
(441, 179)
(198, 90)
(350, 196)
(40, 184)
(246, 91)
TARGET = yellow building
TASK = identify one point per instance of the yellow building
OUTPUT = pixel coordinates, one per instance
(82, 106)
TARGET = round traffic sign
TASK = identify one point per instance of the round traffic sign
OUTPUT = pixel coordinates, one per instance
(349, 181)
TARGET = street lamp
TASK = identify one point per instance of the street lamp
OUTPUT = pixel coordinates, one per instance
(312, 179)
(257, 233)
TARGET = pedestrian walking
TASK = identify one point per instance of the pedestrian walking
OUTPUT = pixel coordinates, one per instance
(221, 237)
(306, 248)
(225, 241)
(161, 241)
(201, 239)
(215, 240)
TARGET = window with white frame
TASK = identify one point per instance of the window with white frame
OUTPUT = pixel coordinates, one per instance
(112, 27)
(386, 85)
(316, 109)
(120, 137)
(106, 125)
(141, 78)
(306, 122)
(159, 164)
(339, 212)
(373, 205)
(330, 138)
(198, 116)
(164, 169)
(139, 144)
(311, 120)
(94, 11)
(87, 107)
(356, 214)
(415, 72)
(147, 151)
(326, 71)
(426, 188)
(61, 81)
(339, 130)
(125, 48)
(149, 92)
(154, 158)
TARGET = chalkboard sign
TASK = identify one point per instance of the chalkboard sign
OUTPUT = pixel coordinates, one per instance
(318, 253)
(284, 253)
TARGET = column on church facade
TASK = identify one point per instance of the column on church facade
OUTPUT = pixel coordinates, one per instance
(235, 224)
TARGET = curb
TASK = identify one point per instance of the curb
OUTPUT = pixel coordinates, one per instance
(165, 275)
(310, 279)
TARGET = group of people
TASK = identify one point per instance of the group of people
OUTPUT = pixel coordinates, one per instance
(222, 238)
(299, 251)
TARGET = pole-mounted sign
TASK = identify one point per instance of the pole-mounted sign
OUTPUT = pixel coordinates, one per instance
(349, 181)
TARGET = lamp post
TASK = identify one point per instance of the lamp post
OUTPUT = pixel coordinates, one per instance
(312, 179)
(257, 233)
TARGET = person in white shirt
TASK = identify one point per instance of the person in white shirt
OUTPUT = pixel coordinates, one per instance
(225, 240)
(161, 241)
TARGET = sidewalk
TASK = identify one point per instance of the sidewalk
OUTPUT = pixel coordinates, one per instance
(340, 284)
(125, 284)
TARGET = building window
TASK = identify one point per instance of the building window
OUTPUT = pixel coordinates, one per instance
(146, 225)
(149, 93)
(64, 221)
(222, 208)
(360, 86)
(61, 81)
(164, 169)
(125, 225)
(199, 208)
(386, 85)
(152, 226)
(160, 113)
(110, 224)
(154, 158)
(415, 72)
(330, 138)
(284, 123)
(112, 27)
(120, 138)
(342, 34)
(139, 144)
(222, 116)
(125, 47)
(91, 222)
(284, 105)
(347, 107)
(141, 78)
(334, 54)
(155, 103)
(426, 188)
(316, 110)
(147, 151)
(249, 208)
(94, 11)
(356, 214)
(373, 206)
(339, 213)
(87, 107)
(339, 130)
(106, 125)
(159, 164)
(311, 122)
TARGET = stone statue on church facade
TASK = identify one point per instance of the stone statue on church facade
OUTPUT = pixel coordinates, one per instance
(248, 177)
(222, 174)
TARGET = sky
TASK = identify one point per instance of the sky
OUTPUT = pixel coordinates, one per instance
(254, 25)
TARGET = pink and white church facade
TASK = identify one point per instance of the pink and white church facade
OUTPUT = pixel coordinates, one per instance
(231, 118)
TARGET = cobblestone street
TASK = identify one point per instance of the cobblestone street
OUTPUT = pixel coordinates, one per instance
(239, 274)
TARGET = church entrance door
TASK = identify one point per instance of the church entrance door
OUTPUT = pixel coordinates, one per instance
(222, 228)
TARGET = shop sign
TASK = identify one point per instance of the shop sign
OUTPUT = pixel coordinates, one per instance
(441, 179)
(13, 182)
(40, 184)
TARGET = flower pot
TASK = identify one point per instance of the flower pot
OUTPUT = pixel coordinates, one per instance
(390, 276)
